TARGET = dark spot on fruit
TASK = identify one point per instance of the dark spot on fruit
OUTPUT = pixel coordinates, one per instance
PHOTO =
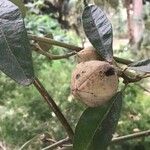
(77, 76)
(83, 71)
(110, 72)
(94, 95)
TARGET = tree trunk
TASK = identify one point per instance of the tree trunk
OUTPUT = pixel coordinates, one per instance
(129, 20)
(137, 24)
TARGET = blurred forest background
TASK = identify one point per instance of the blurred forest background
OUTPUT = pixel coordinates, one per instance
(25, 116)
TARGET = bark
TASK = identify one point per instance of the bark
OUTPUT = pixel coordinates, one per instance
(135, 23)
(129, 20)
(138, 24)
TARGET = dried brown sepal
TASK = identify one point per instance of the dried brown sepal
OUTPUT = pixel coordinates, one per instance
(87, 54)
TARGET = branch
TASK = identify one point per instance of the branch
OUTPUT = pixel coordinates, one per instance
(71, 47)
(122, 61)
(130, 136)
(28, 142)
(54, 107)
(122, 73)
(51, 56)
(143, 88)
(120, 139)
(66, 148)
(128, 79)
(2, 147)
(146, 76)
(54, 42)
(57, 144)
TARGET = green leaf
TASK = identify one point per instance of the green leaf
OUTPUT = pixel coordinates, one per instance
(15, 58)
(21, 6)
(143, 66)
(98, 30)
(104, 134)
(96, 125)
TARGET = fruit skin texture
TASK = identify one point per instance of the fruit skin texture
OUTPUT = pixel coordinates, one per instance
(94, 82)
(87, 54)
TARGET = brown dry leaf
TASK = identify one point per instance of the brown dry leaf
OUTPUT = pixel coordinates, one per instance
(87, 54)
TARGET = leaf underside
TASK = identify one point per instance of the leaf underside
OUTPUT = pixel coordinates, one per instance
(15, 52)
(142, 66)
(98, 30)
(96, 125)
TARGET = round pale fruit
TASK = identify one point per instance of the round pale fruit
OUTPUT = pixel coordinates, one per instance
(87, 54)
(94, 82)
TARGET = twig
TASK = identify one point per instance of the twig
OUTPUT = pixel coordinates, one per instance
(123, 74)
(51, 56)
(46, 137)
(71, 47)
(130, 136)
(143, 88)
(2, 147)
(29, 141)
(123, 61)
(54, 107)
(146, 76)
(57, 144)
(54, 42)
(121, 138)
(128, 79)
(66, 148)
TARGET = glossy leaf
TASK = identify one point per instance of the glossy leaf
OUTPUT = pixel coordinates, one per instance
(21, 6)
(98, 30)
(104, 134)
(93, 125)
(15, 53)
(143, 66)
